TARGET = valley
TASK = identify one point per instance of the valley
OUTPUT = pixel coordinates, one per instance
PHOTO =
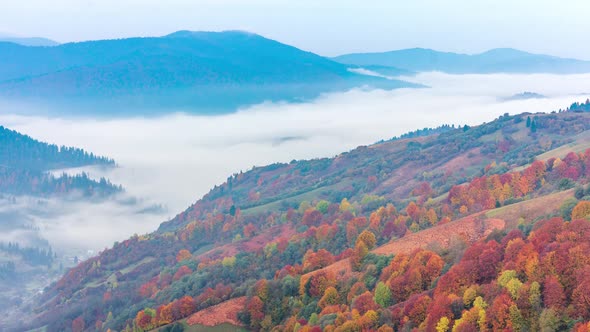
(276, 166)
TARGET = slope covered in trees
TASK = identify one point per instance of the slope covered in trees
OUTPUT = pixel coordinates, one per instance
(274, 234)
(21, 151)
(25, 162)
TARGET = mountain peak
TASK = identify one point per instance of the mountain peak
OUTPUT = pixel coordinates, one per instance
(506, 51)
(200, 34)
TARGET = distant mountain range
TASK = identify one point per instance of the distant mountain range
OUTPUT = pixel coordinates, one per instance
(216, 72)
(207, 71)
(500, 60)
(29, 41)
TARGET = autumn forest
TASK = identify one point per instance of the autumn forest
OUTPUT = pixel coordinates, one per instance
(479, 228)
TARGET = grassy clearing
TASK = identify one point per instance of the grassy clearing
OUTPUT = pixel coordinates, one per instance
(204, 249)
(111, 278)
(203, 328)
(133, 266)
(530, 209)
(306, 196)
(218, 328)
(563, 150)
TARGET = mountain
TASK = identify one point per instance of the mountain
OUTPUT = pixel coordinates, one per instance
(196, 71)
(415, 232)
(29, 41)
(501, 60)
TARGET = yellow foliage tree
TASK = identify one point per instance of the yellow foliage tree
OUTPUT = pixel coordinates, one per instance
(581, 210)
(330, 297)
(368, 238)
(369, 320)
(443, 325)
(345, 205)
(228, 261)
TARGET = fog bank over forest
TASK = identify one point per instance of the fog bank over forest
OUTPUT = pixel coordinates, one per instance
(173, 160)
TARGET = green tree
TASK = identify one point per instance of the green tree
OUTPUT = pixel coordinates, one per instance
(549, 321)
(518, 322)
(322, 206)
(383, 295)
(313, 319)
(535, 295)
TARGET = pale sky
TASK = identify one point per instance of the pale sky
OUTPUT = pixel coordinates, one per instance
(326, 27)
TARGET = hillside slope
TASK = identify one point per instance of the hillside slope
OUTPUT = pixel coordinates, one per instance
(202, 71)
(25, 164)
(502, 60)
(263, 231)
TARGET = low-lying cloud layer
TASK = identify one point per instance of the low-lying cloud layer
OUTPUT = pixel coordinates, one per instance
(176, 159)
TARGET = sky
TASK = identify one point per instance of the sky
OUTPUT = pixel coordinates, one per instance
(326, 27)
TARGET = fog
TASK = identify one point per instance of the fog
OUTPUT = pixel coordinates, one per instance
(173, 160)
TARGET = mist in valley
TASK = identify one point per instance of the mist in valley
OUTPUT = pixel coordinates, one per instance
(167, 163)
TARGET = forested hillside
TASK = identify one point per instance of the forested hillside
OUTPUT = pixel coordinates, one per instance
(467, 228)
(25, 162)
(22, 151)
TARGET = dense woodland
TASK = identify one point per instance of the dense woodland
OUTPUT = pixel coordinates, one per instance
(32, 256)
(27, 255)
(305, 244)
(24, 163)
(23, 152)
(28, 182)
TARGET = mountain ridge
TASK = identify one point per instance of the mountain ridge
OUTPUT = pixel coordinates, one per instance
(498, 60)
(29, 41)
(201, 70)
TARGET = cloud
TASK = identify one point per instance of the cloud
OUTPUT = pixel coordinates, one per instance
(175, 159)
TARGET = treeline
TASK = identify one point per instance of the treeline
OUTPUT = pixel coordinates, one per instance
(21, 151)
(25, 162)
(424, 132)
(31, 256)
(30, 182)
(7, 271)
(580, 107)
